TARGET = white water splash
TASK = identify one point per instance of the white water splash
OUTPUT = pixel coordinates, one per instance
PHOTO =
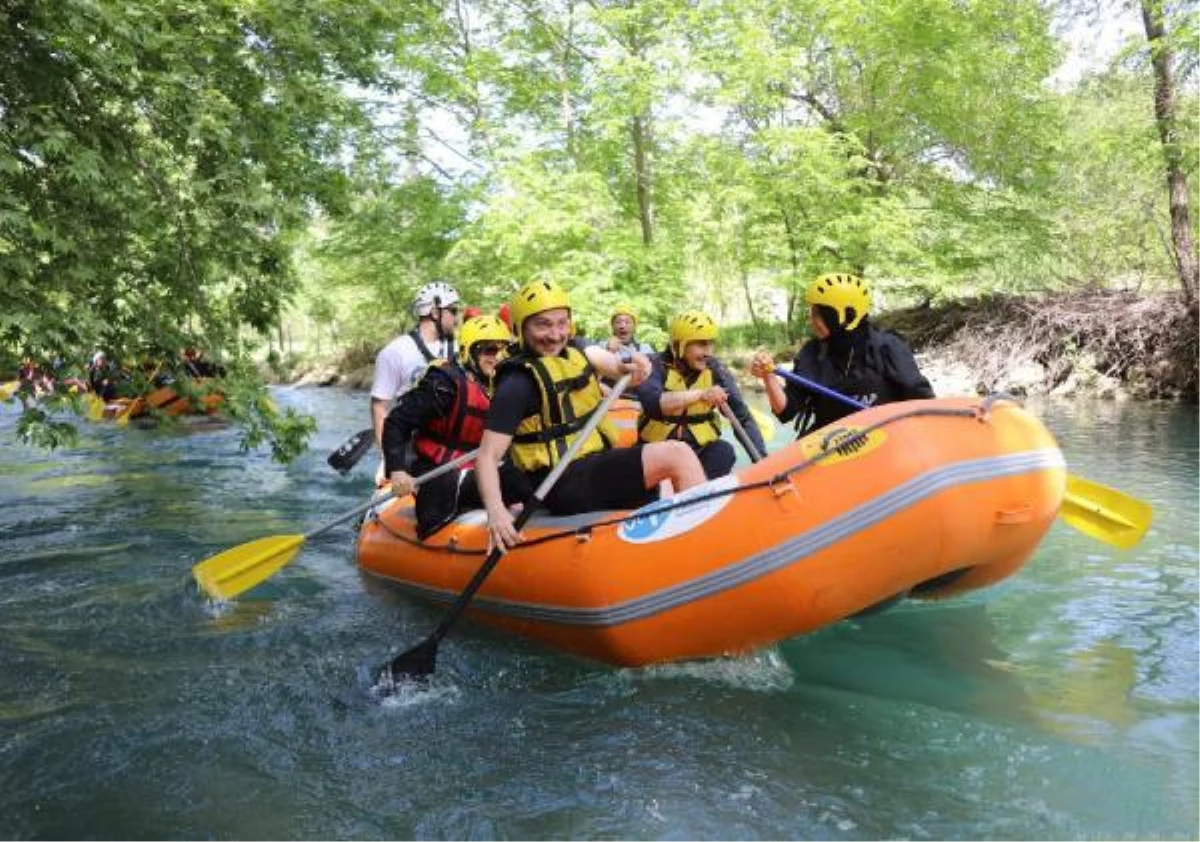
(765, 671)
(410, 694)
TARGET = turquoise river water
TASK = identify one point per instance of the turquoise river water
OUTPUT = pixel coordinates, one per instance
(1060, 704)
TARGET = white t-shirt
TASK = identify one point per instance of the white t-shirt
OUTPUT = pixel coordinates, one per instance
(400, 364)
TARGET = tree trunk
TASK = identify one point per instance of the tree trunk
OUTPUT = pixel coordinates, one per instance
(1161, 59)
(641, 163)
(564, 81)
(745, 277)
(796, 288)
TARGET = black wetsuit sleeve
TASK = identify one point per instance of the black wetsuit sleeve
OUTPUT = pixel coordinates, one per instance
(649, 392)
(900, 367)
(515, 399)
(432, 397)
(725, 379)
(798, 398)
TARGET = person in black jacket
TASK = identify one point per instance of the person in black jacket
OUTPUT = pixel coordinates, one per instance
(443, 417)
(846, 354)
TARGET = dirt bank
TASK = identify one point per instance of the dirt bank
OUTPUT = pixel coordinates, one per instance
(1107, 344)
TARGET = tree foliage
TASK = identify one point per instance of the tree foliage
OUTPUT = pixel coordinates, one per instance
(158, 157)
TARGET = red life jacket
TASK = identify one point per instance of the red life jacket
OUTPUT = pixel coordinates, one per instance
(461, 430)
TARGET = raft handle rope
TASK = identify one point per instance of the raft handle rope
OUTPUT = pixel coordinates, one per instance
(773, 484)
(983, 412)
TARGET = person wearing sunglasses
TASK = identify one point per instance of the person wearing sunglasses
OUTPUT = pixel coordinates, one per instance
(441, 418)
(436, 307)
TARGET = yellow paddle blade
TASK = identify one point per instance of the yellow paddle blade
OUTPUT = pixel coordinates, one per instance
(122, 417)
(1104, 513)
(765, 423)
(93, 407)
(228, 574)
(7, 389)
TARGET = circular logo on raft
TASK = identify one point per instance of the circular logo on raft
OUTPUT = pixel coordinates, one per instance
(665, 519)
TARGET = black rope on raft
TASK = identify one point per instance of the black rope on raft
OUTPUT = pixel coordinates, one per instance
(852, 441)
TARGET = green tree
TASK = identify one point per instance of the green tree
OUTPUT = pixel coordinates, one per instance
(938, 107)
(158, 157)
(1174, 146)
(394, 241)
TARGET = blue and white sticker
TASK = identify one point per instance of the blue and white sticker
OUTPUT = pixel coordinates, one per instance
(652, 523)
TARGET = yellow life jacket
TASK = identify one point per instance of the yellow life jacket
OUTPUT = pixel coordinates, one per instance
(570, 394)
(699, 418)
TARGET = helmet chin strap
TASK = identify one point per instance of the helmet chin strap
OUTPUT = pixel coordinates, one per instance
(474, 367)
(437, 311)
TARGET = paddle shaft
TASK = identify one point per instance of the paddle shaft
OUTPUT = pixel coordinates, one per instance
(417, 482)
(814, 386)
(742, 435)
(429, 646)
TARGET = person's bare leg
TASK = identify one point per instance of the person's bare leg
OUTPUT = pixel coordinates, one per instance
(674, 461)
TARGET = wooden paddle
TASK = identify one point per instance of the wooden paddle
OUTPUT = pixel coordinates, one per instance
(419, 662)
(1095, 510)
(234, 571)
(742, 435)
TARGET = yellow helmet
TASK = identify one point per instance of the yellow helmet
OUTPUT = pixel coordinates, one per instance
(842, 293)
(623, 310)
(480, 329)
(536, 297)
(691, 326)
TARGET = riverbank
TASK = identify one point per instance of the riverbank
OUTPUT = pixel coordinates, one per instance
(1103, 344)
(1114, 345)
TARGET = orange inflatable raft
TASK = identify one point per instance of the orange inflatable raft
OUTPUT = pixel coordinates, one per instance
(166, 400)
(623, 415)
(923, 499)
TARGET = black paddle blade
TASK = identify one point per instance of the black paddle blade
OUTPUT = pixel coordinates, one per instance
(347, 456)
(417, 664)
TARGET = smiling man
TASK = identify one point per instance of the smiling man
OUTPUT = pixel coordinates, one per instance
(545, 394)
(688, 385)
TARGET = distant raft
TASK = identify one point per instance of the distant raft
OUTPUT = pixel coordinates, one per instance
(201, 399)
(922, 499)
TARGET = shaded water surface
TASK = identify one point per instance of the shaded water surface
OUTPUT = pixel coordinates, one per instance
(1060, 704)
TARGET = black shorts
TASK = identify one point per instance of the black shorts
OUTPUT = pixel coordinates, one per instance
(443, 498)
(609, 479)
(717, 458)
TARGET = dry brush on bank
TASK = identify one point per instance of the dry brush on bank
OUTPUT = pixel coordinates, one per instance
(1086, 342)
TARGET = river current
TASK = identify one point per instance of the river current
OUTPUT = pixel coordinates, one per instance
(1061, 703)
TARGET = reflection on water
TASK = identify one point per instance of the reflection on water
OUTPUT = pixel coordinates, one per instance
(945, 657)
(1090, 696)
(1061, 704)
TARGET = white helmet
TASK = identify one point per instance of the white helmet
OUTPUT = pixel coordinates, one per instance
(435, 294)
